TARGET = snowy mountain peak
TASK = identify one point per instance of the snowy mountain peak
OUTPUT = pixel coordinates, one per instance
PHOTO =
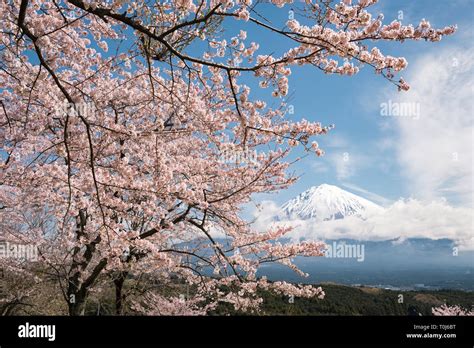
(327, 202)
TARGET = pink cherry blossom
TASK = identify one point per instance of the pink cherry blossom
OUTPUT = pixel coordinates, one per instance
(124, 152)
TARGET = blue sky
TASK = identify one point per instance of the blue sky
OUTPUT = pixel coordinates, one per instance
(362, 135)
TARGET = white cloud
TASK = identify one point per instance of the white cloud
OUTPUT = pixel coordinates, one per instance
(368, 194)
(403, 219)
(435, 151)
(348, 163)
(264, 215)
(344, 165)
(319, 167)
(336, 141)
(343, 157)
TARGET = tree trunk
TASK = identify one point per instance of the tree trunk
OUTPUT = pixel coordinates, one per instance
(119, 296)
(76, 304)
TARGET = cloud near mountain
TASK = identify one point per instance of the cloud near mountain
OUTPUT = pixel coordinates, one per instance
(435, 151)
(403, 219)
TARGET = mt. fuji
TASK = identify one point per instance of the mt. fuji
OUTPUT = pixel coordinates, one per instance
(327, 202)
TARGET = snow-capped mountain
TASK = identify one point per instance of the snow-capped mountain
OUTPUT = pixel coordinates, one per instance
(327, 202)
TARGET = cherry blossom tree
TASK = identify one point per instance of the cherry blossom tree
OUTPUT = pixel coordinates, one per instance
(445, 310)
(115, 120)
